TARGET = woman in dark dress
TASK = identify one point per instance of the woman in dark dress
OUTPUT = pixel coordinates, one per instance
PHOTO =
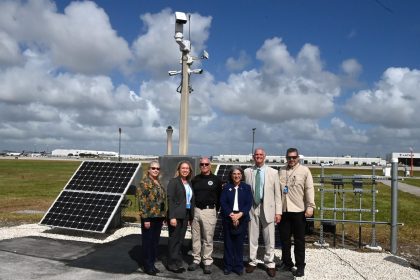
(235, 202)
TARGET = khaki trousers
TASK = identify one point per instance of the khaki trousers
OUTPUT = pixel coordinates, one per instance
(202, 231)
(257, 218)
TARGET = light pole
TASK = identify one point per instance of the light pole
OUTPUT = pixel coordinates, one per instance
(411, 163)
(119, 144)
(186, 60)
(253, 139)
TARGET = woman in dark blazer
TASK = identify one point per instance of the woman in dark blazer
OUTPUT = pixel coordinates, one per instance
(235, 215)
(180, 213)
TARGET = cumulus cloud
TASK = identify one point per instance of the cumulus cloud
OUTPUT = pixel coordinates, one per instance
(156, 51)
(351, 67)
(284, 88)
(80, 39)
(392, 103)
(238, 64)
(58, 88)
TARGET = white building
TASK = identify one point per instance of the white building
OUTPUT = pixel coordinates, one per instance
(308, 160)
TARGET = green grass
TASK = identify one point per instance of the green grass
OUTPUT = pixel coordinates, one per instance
(411, 181)
(31, 185)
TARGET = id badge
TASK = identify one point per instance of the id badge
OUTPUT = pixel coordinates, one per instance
(286, 189)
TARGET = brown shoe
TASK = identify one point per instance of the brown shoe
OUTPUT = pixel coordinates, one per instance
(250, 268)
(271, 272)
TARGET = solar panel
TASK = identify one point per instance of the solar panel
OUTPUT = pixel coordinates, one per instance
(92, 196)
(108, 177)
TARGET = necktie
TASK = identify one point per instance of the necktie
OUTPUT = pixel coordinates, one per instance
(257, 191)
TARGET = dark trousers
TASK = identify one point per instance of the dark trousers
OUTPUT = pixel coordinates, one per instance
(233, 256)
(150, 242)
(293, 223)
(175, 240)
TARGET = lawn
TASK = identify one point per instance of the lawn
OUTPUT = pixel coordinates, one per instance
(35, 184)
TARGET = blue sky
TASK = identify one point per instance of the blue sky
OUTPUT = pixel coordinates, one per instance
(327, 77)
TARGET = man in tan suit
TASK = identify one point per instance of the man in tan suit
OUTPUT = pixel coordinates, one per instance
(266, 210)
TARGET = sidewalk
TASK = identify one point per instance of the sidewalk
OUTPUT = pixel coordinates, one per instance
(403, 187)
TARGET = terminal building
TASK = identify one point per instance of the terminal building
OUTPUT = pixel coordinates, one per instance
(308, 160)
(405, 158)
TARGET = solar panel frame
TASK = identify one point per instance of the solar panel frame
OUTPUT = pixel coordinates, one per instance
(58, 215)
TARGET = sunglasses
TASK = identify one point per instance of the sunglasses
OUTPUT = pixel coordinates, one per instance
(292, 157)
(155, 168)
(204, 164)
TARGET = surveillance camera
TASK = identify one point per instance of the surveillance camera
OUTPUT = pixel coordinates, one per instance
(196, 71)
(173, 73)
(180, 17)
(205, 55)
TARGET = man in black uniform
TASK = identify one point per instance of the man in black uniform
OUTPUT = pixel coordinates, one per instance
(207, 188)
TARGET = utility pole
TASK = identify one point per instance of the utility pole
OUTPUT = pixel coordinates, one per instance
(253, 140)
(186, 61)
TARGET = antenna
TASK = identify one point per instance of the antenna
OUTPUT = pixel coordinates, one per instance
(189, 27)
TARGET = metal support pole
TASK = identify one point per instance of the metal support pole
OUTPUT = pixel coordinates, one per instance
(394, 205)
(119, 144)
(183, 118)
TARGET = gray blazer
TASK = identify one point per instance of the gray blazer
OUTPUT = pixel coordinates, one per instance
(177, 200)
(272, 193)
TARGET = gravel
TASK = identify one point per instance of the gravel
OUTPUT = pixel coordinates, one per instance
(322, 263)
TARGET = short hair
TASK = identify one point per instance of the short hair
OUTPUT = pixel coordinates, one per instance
(292, 150)
(232, 169)
(178, 168)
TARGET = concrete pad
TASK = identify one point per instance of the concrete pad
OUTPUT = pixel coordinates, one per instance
(45, 258)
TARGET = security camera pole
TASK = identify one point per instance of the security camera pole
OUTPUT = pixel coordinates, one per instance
(186, 60)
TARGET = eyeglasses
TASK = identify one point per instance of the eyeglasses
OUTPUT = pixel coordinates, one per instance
(204, 164)
(291, 157)
(155, 168)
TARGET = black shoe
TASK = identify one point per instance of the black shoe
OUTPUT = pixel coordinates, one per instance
(193, 266)
(285, 267)
(226, 272)
(150, 272)
(177, 270)
(207, 269)
(239, 272)
(299, 272)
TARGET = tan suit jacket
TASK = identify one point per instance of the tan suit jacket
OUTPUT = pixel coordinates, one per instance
(272, 193)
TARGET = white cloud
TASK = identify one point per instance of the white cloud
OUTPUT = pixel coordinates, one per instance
(156, 51)
(238, 64)
(392, 103)
(351, 67)
(80, 39)
(285, 88)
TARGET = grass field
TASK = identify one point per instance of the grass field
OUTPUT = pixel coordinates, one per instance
(34, 185)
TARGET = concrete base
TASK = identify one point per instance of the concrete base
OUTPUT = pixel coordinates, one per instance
(317, 244)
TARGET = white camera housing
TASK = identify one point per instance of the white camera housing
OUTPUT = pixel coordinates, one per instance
(180, 17)
(173, 73)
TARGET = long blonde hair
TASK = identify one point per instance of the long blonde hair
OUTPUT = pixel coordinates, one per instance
(178, 168)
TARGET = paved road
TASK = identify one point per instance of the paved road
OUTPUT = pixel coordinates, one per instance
(404, 187)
